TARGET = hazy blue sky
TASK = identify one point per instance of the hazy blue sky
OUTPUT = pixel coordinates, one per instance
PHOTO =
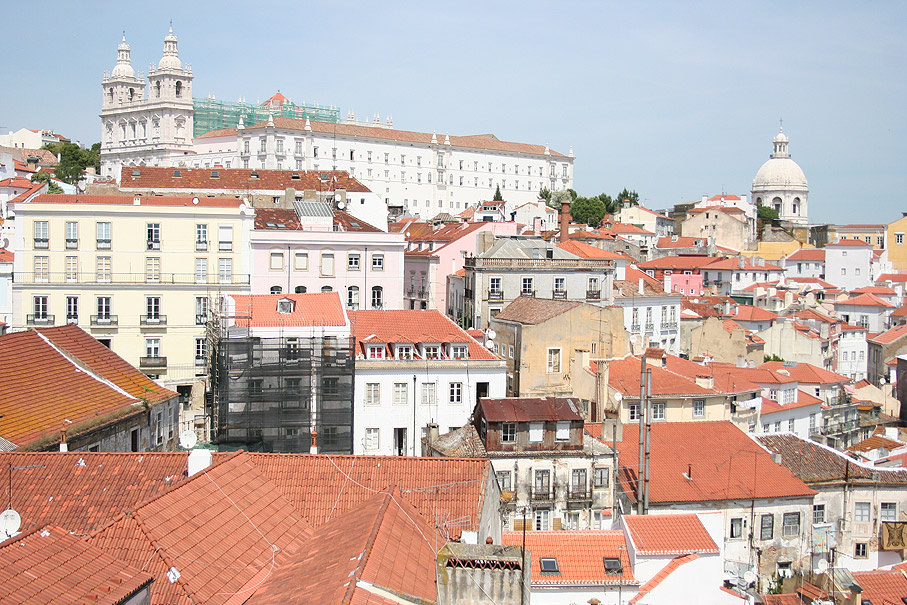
(671, 99)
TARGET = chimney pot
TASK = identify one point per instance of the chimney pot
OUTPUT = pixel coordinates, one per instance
(565, 221)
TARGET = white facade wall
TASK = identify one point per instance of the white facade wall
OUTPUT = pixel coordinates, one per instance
(731, 280)
(848, 267)
(875, 319)
(664, 329)
(798, 268)
(853, 354)
(388, 415)
(806, 420)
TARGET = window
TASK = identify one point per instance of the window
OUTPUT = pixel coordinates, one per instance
(42, 237)
(429, 393)
(378, 298)
(201, 270)
(562, 431)
(225, 270)
(510, 351)
(376, 352)
(601, 477)
(560, 284)
(541, 524)
(276, 261)
(888, 511)
(508, 432)
(201, 350)
(72, 235)
(72, 269)
(153, 232)
(658, 410)
(633, 411)
(377, 262)
(536, 432)
(327, 263)
(458, 351)
(494, 284)
(201, 310)
(456, 393)
(861, 512)
(302, 261)
(371, 439)
(42, 269)
(404, 352)
(766, 527)
(554, 361)
(791, 525)
(225, 238)
(72, 308)
(432, 351)
(352, 298)
(790, 425)
(818, 513)
(503, 480)
(698, 408)
(899, 238)
(152, 269)
(527, 286)
(401, 393)
(578, 480)
(736, 528)
(860, 550)
(153, 307)
(152, 347)
(103, 236)
(352, 261)
(372, 393)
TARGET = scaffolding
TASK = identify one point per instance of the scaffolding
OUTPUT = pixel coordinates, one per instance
(271, 394)
(210, 114)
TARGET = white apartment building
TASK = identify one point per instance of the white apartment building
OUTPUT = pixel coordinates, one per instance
(415, 368)
(137, 273)
(848, 264)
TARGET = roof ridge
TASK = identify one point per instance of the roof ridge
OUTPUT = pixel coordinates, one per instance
(369, 544)
(159, 552)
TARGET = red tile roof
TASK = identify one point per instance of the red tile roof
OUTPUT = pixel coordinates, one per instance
(724, 196)
(310, 309)
(285, 219)
(158, 178)
(877, 290)
(849, 242)
(411, 326)
(584, 250)
(865, 300)
(745, 469)
(892, 277)
(807, 373)
(129, 200)
(804, 399)
(526, 409)
(811, 255)
(579, 556)
(446, 232)
(676, 241)
(384, 541)
(658, 578)
(530, 310)
(882, 587)
(669, 534)
(891, 335)
(224, 530)
(751, 313)
(616, 228)
(82, 491)
(725, 209)
(479, 141)
(79, 383)
(51, 565)
(449, 492)
(677, 262)
(623, 376)
(782, 599)
(733, 264)
(7, 256)
(875, 442)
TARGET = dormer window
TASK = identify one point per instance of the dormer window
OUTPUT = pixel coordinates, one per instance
(404, 352)
(285, 306)
(376, 351)
(432, 351)
(459, 351)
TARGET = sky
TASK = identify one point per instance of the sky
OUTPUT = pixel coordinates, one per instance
(673, 99)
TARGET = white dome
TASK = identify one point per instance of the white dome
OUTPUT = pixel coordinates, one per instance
(123, 68)
(779, 173)
(781, 137)
(171, 59)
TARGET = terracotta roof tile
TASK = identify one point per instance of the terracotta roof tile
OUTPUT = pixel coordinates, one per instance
(877, 290)
(579, 556)
(752, 313)
(677, 262)
(533, 311)
(311, 309)
(669, 534)
(623, 376)
(526, 409)
(865, 300)
(849, 242)
(676, 241)
(882, 587)
(875, 442)
(159, 178)
(811, 255)
(7, 256)
(782, 599)
(414, 327)
(806, 373)
(803, 400)
(584, 250)
(658, 578)
(51, 565)
(891, 335)
(746, 469)
(892, 277)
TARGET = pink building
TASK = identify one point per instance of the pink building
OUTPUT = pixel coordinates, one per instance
(684, 283)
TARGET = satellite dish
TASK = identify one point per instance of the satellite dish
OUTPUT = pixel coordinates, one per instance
(188, 439)
(618, 397)
(489, 344)
(491, 334)
(633, 339)
(823, 565)
(749, 576)
(337, 197)
(195, 201)
(341, 205)
(10, 522)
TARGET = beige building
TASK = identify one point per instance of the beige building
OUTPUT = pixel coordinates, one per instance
(725, 340)
(728, 226)
(792, 341)
(871, 234)
(137, 273)
(897, 247)
(544, 340)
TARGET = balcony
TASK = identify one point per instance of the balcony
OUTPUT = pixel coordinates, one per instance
(201, 319)
(72, 318)
(411, 293)
(593, 294)
(650, 326)
(541, 493)
(559, 294)
(201, 246)
(61, 277)
(154, 244)
(669, 325)
(153, 320)
(103, 244)
(41, 243)
(579, 493)
(200, 361)
(495, 295)
(525, 292)
(634, 328)
(39, 320)
(72, 244)
(104, 321)
(225, 246)
(155, 363)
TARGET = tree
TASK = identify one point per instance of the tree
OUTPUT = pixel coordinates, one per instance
(627, 198)
(772, 357)
(588, 210)
(767, 214)
(497, 195)
(44, 177)
(74, 160)
(545, 194)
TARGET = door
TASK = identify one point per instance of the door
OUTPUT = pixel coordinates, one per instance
(481, 390)
(400, 442)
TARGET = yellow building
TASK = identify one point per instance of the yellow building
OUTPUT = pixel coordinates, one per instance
(871, 234)
(897, 246)
(138, 273)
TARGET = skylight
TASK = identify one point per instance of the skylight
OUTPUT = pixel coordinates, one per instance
(177, 174)
(612, 565)
(284, 305)
(549, 565)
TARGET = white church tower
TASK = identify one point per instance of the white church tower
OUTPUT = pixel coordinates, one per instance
(781, 184)
(139, 129)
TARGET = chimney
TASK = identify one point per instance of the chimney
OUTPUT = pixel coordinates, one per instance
(704, 381)
(642, 288)
(740, 262)
(741, 361)
(727, 308)
(64, 447)
(565, 221)
(484, 241)
(199, 460)
(776, 458)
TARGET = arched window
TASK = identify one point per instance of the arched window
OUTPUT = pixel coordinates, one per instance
(377, 297)
(758, 201)
(276, 290)
(157, 89)
(131, 94)
(776, 202)
(110, 94)
(326, 289)
(299, 290)
(179, 89)
(352, 298)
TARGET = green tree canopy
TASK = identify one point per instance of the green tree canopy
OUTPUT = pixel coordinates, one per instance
(627, 198)
(588, 210)
(767, 214)
(497, 195)
(74, 160)
(545, 194)
(44, 177)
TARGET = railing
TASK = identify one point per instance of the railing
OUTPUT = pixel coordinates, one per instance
(411, 293)
(541, 493)
(495, 295)
(72, 319)
(225, 246)
(527, 293)
(103, 244)
(559, 294)
(201, 319)
(669, 325)
(201, 246)
(130, 278)
(634, 327)
(41, 243)
(200, 361)
(71, 244)
(104, 320)
(154, 244)
(153, 362)
(422, 293)
(39, 320)
(579, 492)
(153, 320)
(593, 294)
(539, 263)
(650, 326)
